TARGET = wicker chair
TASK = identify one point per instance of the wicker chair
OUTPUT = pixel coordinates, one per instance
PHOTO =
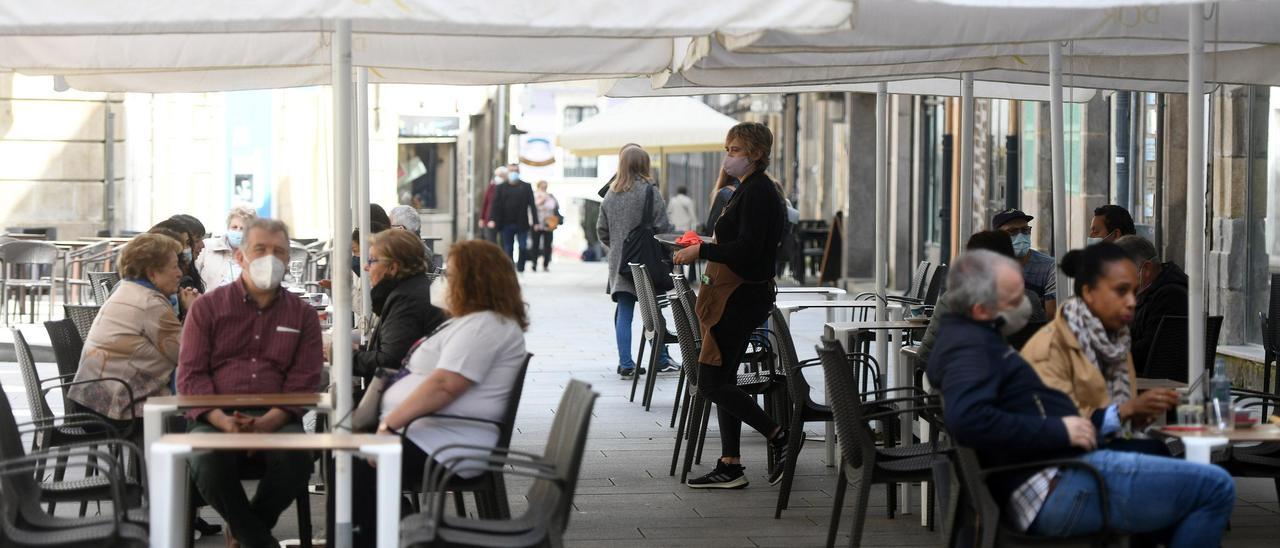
(83, 316)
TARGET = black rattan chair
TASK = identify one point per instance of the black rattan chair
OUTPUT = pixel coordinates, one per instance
(83, 316)
(1167, 358)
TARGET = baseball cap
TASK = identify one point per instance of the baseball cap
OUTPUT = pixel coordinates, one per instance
(1008, 215)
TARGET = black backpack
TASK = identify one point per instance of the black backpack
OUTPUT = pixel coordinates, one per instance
(640, 247)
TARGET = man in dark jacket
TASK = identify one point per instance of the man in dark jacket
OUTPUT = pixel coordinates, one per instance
(512, 213)
(997, 405)
(1162, 291)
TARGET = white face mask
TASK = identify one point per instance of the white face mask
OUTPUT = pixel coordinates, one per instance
(1091, 241)
(266, 272)
(1015, 319)
(440, 293)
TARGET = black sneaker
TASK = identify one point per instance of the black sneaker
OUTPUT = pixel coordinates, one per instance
(205, 529)
(725, 476)
(626, 372)
(669, 367)
(779, 445)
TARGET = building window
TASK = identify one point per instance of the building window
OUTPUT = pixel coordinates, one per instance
(575, 166)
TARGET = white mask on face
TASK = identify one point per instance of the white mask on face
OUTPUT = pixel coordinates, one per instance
(266, 272)
(440, 293)
(1092, 241)
(1015, 319)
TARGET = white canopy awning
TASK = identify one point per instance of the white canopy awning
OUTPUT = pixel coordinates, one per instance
(669, 124)
(943, 86)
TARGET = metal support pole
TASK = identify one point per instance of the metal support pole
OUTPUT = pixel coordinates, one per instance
(340, 256)
(362, 191)
(109, 170)
(1058, 161)
(1195, 192)
(966, 155)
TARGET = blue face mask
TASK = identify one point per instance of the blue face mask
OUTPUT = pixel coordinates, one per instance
(1091, 240)
(186, 256)
(514, 176)
(1022, 245)
(235, 238)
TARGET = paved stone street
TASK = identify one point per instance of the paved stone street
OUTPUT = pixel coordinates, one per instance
(625, 497)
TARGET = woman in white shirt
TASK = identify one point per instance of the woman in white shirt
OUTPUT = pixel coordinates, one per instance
(466, 368)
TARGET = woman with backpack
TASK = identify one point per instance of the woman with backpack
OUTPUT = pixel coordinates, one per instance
(623, 210)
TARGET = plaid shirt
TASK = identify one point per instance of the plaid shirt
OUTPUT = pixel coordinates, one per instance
(1040, 275)
(1025, 502)
(230, 346)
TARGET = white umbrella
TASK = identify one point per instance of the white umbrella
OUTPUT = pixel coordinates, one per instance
(675, 124)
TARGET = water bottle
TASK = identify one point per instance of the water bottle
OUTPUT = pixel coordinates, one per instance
(1221, 414)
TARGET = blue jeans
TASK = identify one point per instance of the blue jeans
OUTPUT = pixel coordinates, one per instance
(622, 328)
(511, 235)
(1147, 494)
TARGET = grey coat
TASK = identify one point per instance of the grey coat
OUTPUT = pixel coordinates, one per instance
(619, 215)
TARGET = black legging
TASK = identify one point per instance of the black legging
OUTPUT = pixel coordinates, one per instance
(747, 309)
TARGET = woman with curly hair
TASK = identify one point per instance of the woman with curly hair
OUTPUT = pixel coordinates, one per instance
(465, 368)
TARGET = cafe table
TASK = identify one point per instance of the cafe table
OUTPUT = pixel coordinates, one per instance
(1150, 384)
(167, 474)
(1200, 442)
(156, 409)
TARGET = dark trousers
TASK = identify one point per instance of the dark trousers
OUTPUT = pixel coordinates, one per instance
(746, 310)
(364, 503)
(217, 475)
(513, 235)
(540, 246)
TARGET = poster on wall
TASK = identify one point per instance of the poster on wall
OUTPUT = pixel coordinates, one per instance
(249, 150)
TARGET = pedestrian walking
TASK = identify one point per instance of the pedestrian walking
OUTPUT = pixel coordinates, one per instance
(620, 213)
(512, 213)
(548, 220)
(681, 211)
(736, 298)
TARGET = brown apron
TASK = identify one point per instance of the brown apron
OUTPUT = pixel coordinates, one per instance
(718, 284)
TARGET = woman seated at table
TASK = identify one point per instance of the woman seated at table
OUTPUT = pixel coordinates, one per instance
(135, 336)
(466, 368)
(1084, 351)
(401, 300)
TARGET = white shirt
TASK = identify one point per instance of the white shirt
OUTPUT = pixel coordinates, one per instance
(681, 214)
(486, 348)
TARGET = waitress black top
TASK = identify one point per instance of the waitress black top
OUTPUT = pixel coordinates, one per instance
(749, 230)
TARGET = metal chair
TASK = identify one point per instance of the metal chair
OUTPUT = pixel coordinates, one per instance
(67, 346)
(103, 284)
(861, 463)
(1167, 358)
(83, 316)
(555, 478)
(78, 262)
(22, 268)
(655, 332)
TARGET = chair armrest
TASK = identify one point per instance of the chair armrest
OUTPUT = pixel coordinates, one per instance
(128, 389)
(1103, 498)
(493, 423)
(101, 462)
(434, 509)
(904, 300)
(57, 377)
(896, 412)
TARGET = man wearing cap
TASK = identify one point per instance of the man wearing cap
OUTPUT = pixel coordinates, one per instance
(1038, 269)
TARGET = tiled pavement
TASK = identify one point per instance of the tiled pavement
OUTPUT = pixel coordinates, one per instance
(625, 497)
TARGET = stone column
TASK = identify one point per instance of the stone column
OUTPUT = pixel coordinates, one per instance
(903, 226)
(860, 220)
(1096, 186)
(1173, 180)
(1042, 197)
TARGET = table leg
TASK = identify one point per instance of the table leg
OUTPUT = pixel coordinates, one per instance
(1199, 449)
(153, 423)
(167, 487)
(388, 493)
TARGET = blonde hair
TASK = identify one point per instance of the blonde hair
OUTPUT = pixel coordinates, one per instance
(481, 277)
(402, 248)
(147, 252)
(244, 212)
(633, 164)
(756, 138)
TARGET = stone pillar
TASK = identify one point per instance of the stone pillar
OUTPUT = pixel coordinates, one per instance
(902, 226)
(1173, 180)
(1096, 186)
(860, 219)
(1042, 197)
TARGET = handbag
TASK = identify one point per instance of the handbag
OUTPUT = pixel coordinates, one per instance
(640, 247)
(365, 416)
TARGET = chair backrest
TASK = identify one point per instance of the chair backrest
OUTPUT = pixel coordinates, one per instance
(30, 378)
(647, 300)
(26, 252)
(687, 296)
(981, 509)
(513, 405)
(1167, 358)
(857, 446)
(797, 386)
(67, 346)
(935, 288)
(685, 334)
(565, 445)
(103, 284)
(1271, 337)
(82, 315)
(917, 287)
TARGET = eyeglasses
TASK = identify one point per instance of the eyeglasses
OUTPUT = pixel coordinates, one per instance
(1016, 231)
(372, 260)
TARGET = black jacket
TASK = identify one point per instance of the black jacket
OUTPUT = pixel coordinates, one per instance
(513, 205)
(995, 403)
(406, 316)
(1167, 296)
(749, 230)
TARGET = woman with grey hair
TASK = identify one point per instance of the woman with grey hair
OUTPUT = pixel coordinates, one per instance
(217, 263)
(406, 217)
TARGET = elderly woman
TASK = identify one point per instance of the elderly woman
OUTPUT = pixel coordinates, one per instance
(466, 368)
(401, 300)
(1084, 351)
(135, 336)
(217, 264)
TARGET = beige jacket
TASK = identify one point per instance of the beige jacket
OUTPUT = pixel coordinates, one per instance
(134, 338)
(1055, 354)
(214, 263)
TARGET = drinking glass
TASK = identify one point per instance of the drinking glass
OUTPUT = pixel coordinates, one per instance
(1190, 412)
(295, 271)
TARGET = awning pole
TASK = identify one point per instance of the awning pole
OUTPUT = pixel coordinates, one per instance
(1058, 163)
(340, 257)
(882, 216)
(1195, 193)
(966, 156)
(362, 191)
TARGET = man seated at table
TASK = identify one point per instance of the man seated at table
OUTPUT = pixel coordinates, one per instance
(1162, 291)
(1039, 271)
(998, 406)
(251, 337)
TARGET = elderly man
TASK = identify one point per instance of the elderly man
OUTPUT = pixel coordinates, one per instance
(406, 218)
(997, 405)
(251, 337)
(1039, 271)
(1162, 291)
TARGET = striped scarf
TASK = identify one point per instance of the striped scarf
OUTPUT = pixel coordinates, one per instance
(1108, 351)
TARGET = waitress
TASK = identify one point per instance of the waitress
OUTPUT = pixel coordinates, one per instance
(736, 297)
